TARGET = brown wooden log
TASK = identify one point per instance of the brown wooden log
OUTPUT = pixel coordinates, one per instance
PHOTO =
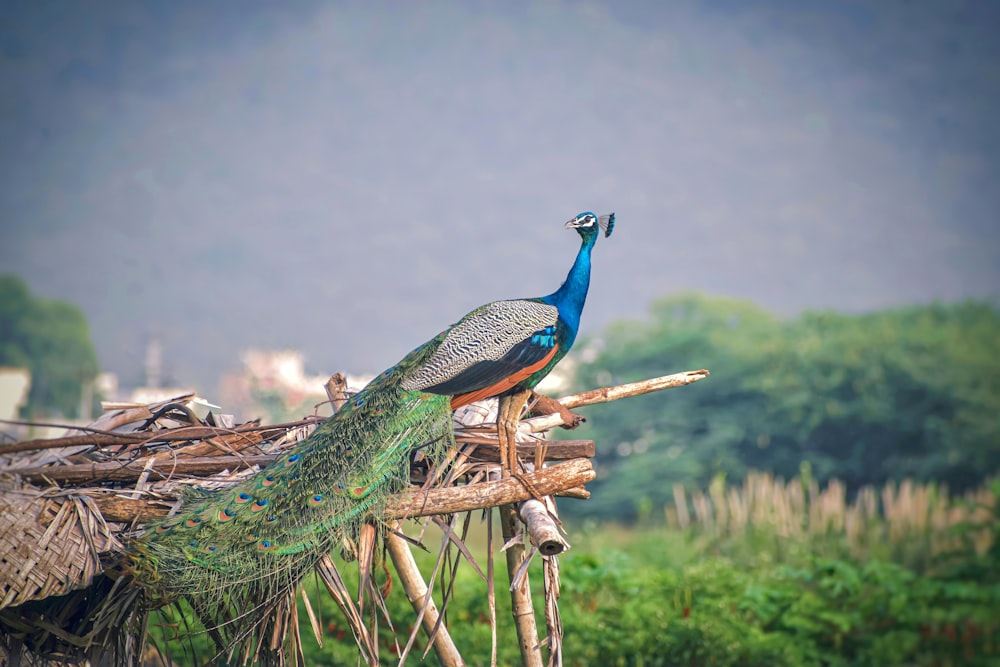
(555, 450)
(570, 476)
(541, 527)
(490, 494)
(166, 435)
(521, 607)
(608, 394)
(94, 473)
(228, 443)
(120, 509)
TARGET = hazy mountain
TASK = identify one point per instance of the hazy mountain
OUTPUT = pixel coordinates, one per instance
(351, 178)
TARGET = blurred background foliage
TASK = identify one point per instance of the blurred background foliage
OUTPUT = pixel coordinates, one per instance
(51, 339)
(823, 498)
(904, 393)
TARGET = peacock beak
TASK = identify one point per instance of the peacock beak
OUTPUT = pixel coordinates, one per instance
(572, 224)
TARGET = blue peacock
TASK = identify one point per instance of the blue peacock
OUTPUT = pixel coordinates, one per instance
(231, 553)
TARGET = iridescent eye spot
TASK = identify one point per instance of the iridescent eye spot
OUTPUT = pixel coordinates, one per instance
(264, 545)
(388, 372)
(291, 460)
(163, 529)
(294, 479)
(268, 480)
(191, 523)
(226, 514)
(317, 500)
(359, 491)
(243, 498)
(270, 519)
(211, 549)
(358, 403)
(193, 543)
(251, 537)
(349, 449)
(259, 505)
(338, 487)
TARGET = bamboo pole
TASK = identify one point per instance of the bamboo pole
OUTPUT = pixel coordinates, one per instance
(417, 593)
(520, 593)
(541, 528)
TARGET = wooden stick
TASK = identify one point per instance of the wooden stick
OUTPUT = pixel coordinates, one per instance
(568, 476)
(490, 494)
(543, 530)
(416, 593)
(164, 435)
(520, 596)
(336, 391)
(608, 394)
(191, 460)
(556, 450)
(130, 471)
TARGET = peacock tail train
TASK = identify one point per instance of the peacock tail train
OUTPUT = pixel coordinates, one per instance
(234, 551)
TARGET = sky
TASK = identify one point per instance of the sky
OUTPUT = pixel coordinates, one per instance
(351, 178)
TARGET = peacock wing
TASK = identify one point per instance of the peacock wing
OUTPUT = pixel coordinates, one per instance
(489, 350)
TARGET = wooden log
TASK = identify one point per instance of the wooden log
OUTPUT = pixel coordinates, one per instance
(570, 476)
(608, 394)
(520, 595)
(113, 471)
(577, 492)
(121, 509)
(229, 443)
(555, 450)
(490, 494)
(416, 592)
(541, 528)
(108, 439)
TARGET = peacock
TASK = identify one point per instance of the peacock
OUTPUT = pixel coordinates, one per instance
(232, 553)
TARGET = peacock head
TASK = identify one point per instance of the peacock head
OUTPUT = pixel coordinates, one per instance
(586, 224)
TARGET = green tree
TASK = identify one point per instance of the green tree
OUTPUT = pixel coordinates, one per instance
(51, 339)
(908, 392)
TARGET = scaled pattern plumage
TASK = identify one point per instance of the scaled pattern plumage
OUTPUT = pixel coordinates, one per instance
(486, 335)
(233, 553)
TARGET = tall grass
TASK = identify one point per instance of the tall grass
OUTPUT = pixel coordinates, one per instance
(919, 525)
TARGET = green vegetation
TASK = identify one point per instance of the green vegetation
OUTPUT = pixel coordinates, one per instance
(51, 339)
(880, 549)
(745, 590)
(905, 393)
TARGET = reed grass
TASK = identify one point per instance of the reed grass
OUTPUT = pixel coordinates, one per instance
(920, 525)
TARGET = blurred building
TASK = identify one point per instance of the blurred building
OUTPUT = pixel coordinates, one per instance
(274, 386)
(14, 386)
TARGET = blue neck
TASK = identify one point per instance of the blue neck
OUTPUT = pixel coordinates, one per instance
(571, 296)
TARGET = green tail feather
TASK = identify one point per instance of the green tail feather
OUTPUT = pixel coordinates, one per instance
(234, 552)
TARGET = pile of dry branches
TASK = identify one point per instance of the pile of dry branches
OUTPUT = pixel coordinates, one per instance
(65, 502)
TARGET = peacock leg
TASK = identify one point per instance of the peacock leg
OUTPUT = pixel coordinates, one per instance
(508, 417)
